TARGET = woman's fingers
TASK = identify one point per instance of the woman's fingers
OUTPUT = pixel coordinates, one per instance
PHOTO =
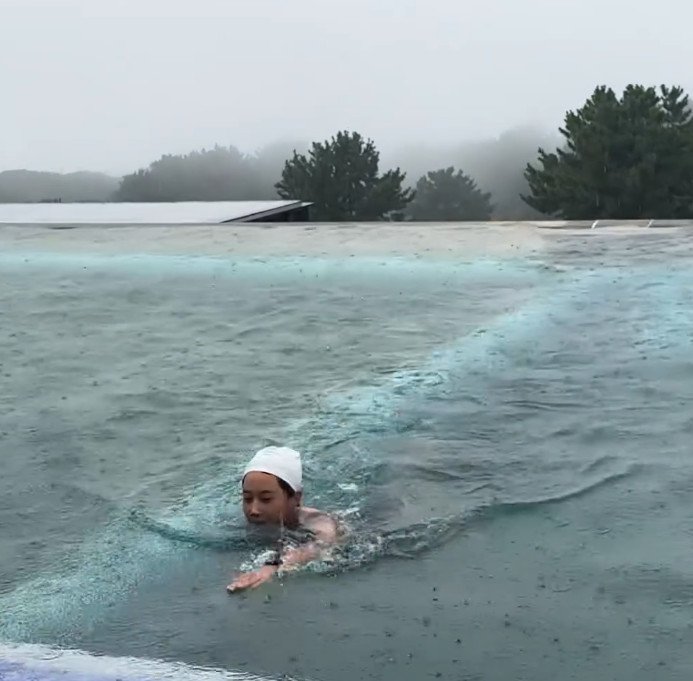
(250, 580)
(239, 583)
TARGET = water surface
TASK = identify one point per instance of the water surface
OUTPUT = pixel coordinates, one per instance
(509, 438)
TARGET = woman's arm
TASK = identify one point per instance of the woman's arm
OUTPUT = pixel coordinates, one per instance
(325, 531)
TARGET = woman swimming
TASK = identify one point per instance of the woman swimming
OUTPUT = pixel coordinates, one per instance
(273, 498)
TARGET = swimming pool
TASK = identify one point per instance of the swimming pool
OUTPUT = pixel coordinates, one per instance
(508, 432)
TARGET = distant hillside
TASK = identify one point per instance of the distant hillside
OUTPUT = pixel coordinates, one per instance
(29, 186)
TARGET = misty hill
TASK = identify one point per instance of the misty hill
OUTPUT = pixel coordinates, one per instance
(29, 186)
(218, 174)
(497, 165)
(226, 174)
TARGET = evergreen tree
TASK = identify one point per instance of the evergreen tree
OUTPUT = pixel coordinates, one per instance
(218, 174)
(448, 195)
(623, 158)
(341, 178)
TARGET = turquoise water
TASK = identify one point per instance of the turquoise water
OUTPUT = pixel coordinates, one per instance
(509, 439)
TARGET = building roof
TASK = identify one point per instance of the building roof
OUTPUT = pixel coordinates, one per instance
(174, 213)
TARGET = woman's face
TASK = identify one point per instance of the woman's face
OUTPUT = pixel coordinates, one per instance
(266, 503)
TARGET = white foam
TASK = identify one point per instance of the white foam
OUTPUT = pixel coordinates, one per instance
(36, 661)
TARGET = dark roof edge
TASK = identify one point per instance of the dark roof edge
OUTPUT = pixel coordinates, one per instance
(269, 213)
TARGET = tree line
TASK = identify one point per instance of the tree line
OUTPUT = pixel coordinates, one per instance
(340, 176)
(621, 157)
(26, 186)
(624, 156)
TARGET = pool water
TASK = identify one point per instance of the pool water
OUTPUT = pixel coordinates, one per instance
(509, 439)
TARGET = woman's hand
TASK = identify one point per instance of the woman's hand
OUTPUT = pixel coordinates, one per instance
(251, 580)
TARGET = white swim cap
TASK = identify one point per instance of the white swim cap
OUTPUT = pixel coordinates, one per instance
(281, 462)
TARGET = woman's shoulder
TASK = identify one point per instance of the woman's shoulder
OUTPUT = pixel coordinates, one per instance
(321, 524)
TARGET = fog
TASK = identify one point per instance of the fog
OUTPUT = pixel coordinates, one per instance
(110, 86)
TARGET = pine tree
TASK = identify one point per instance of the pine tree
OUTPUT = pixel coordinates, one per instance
(342, 179)
(623, 158)
(448, 195)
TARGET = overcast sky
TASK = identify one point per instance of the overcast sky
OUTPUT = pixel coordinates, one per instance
(111, 85)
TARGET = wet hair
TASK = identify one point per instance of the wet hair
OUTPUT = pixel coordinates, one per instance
(285, 487)
(290, 491)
